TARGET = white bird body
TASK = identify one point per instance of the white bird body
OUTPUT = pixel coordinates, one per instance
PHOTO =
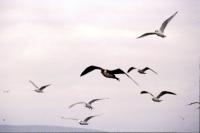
(89, 106)
(81, 122)
(160, 33)
(39, 91)
(155, 99)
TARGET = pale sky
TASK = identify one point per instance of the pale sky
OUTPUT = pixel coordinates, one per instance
(53, 41)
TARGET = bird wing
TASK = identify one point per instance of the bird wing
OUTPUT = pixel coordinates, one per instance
(146, 34)
(117, 71)
(130, 69)
(69, 118)
(88, 118)
(76, 104)
(34, 84)
(165, 92)
(43, 87)
(120, 71)
(89, 69)
(94, 100)
(146, 92)
(193, 103)
(147, 68)
(164, 24)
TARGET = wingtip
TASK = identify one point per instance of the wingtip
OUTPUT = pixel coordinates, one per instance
(142, 92)
(81, 74)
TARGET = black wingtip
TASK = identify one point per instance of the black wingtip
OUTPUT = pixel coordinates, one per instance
(142, 92)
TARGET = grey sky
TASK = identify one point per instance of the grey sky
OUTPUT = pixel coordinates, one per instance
(51, 41)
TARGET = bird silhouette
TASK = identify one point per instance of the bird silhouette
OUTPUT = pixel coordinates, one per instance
(82, 122)
(39, 89)
(160, 32)
(141, 71)
(5, 91)
(107, 73)
(157, 98)
(88, 104)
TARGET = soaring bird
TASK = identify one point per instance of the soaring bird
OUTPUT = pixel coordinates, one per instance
(195, 103)
(81, 122)
(141, 71)
(39, 89)
(160, 32)
(89, 104)
(5, 91)
(157, 99)
(107, 73)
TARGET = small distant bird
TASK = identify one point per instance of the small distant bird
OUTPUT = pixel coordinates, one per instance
(107, 73)
(141, 71)
(5, 91)
(182, 118)
(160, 32)
(156, 99)
(195, 103)
(39, 89)
(81, 122)
(89, 104)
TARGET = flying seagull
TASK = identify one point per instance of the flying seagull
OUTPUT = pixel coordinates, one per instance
(141, 71)
(89, 104)
(5, 91)
(39, 89)
(157, 99)
(107, 73)
(195, 103)
(81, 122)
(160, 32)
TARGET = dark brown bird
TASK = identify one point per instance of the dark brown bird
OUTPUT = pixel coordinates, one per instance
(107, 73)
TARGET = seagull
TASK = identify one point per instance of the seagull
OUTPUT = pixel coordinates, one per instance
(39, 89)
(81, 122)
(89, 104)
(107, 73)
(195, 103)
(160, 32)
(156, 99)
(141, 71)
(5, 91)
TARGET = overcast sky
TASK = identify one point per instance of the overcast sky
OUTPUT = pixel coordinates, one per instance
(53, 41)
